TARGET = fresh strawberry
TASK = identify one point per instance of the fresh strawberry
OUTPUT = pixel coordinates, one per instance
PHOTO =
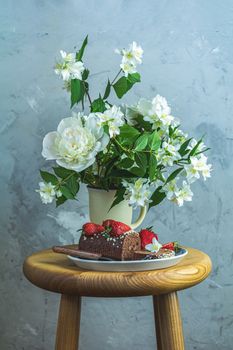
(117, 227)
(108, 222)
(146, 237)
(171, 245)
(89, 229)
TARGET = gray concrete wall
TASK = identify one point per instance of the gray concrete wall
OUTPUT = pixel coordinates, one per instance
(189, 59)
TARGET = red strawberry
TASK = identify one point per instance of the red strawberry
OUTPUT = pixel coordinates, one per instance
(117, 227)
(89, 229)
(107, 223)
(171, 246)
(146, 237)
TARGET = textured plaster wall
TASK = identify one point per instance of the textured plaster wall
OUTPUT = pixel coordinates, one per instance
(188, 58)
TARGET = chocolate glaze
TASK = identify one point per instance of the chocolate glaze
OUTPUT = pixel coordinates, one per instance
(120, 247)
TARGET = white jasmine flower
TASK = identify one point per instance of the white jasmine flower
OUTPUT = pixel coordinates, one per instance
(198, 165)
(128, 68)
(76, 142)
(133, 54)
(184, 194)
(138, 193)
(68, 68)
(160, 106)
(168, 153)
(130, 58)
(67, 57)
(154, 246)
(176, 194)
(156, 111)
(113, 117)
(171, 189)
(47, 192)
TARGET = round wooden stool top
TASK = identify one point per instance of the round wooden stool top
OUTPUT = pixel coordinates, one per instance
(56, 273)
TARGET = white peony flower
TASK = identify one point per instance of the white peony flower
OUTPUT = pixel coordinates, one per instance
(154, 246)
(48, 192)
(198, 165)
(76, 142)
(138, 193)
(113, 117)
(68, 68)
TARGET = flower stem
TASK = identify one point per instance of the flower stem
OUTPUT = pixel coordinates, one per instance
(87, 93)
(116, 77)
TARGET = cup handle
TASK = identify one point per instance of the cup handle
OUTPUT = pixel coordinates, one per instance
(142, 214)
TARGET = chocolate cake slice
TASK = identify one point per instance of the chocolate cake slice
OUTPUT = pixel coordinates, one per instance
(118, 247)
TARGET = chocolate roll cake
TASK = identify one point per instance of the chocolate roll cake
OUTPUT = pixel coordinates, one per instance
(118, 247)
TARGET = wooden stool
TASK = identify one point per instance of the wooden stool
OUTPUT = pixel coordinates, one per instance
(56, 273)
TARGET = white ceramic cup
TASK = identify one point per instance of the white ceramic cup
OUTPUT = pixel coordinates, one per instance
(100, 202)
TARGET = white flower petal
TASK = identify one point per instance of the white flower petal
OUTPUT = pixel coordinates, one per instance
(71, 122)
(49, 150)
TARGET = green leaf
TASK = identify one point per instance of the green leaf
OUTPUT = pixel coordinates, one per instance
(79, 54)
(183, 147)
(63, 172)
(141, 142)
(154, 141)
(66, 192)
(109, 165)
(121, 173)
(98, 105)
(60, 200)
(47, 177)
(107, 90)
(134, 78)
(77, 91)
(127, 131)
(73, 185)
(125, 163)
(157, 197)
(121, 87)
(152, 167)
(137, 171)
(141, 160)
(124, 84)
(193, 152)
(118, 197)
(173, 175)
(85, 74)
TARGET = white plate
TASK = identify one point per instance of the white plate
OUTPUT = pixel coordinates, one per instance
(132, 265)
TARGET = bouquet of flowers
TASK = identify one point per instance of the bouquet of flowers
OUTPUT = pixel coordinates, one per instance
(138, 150)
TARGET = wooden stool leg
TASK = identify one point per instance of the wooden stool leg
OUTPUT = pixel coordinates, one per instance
(68, 323)
(168, 322)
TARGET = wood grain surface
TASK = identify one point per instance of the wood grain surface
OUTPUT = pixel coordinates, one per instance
(56, 273)
(68, 323)
(169, 331)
